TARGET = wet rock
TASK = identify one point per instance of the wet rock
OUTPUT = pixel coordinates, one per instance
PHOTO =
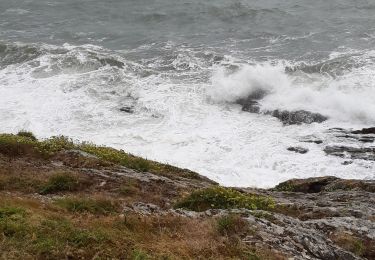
(127, 109)
(363, 153)
(365, 131)
(251, 104)
(364, 136)
(297, 117)
(298, 149)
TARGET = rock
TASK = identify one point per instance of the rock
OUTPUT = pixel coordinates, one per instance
(328, 184)
(310, 185)
(251, 104)
(297, 117)
(363, 153)
(298, 149)
(365, 131)
(127, 109)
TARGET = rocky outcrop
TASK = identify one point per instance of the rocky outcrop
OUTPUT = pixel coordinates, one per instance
(251, 104)
(363, 153)
(328, 183)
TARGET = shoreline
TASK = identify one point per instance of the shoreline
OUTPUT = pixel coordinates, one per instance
(79, 200)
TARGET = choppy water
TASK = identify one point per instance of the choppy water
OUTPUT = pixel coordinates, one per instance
(67, 67)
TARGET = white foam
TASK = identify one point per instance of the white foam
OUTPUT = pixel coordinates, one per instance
(173, 120)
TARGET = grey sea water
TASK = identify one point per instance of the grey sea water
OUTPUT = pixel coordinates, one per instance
(73, 67)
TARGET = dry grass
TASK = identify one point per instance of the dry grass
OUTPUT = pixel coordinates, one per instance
(31, 229)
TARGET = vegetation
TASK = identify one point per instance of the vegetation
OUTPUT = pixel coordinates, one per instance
(231, 224)
(60, 182)
(93, 206)
(56, 204)
(25, 144)
(218, 197)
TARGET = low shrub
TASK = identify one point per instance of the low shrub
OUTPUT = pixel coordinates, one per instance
(223, 198)
(27, 134)
(231, 224)
(88, 205)
(60, 182)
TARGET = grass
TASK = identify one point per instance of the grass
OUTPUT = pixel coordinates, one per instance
(32, 230)
(60, 182)
(25, 144)
(231, 225)
(223, 198)
(87, 205)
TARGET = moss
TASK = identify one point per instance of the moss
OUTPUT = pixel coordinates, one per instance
(60, 182)
(223, 198)
(88, 205)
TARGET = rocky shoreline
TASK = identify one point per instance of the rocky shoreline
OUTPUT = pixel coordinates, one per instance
(186, 215)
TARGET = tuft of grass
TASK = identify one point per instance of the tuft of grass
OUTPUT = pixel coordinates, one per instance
(231, 224)
(139, 254)
(60, 182)
(223, 198)
(88, 205)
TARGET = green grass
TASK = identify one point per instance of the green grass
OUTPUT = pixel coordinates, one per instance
(87, 205)
(60, 182)
(231, 225)
(25, 143)
(223, 198)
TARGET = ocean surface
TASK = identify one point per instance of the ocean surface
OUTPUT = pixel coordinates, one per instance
(159, 78)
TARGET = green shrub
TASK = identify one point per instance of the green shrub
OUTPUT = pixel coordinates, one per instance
(27, 134)
(223, 198)
(231, 224)
(81, 205)
(60, 182)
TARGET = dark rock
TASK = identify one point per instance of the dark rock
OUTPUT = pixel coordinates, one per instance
(310, 185)
(127, 109)
(298, 149)
(328, 183)
(364, 153)
(251, 104)
(297, 117)
(365, 131)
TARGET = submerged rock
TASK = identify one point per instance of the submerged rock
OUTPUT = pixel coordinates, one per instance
(251, 104)
(364, 153)
(127, 109)
(297, 117)
(365, 131)
(298, 149)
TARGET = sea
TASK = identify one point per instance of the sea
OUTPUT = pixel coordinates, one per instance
(160, 79)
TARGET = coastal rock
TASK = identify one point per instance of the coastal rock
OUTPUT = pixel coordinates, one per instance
(365, 131)
(363, 153)
(327, 183)
(298, 149)
(127, 109)
(251, 104)
(297, 117)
